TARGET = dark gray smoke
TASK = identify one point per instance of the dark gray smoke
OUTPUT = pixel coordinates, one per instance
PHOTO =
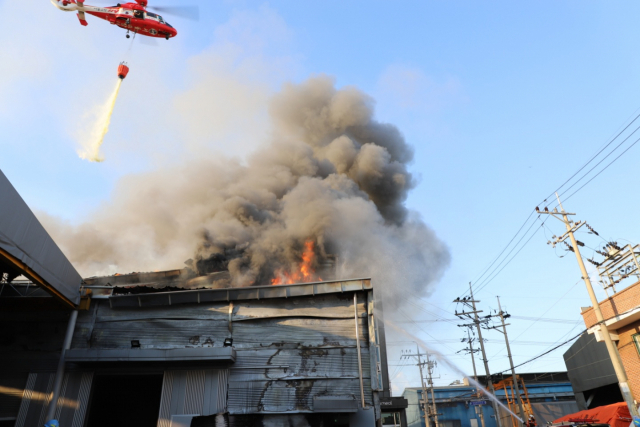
(330, 174)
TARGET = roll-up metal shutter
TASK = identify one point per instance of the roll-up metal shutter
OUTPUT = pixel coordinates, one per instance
(11, 391)
(193, 392)
(72, 404)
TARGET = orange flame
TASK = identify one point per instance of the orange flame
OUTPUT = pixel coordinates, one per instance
(305, 271)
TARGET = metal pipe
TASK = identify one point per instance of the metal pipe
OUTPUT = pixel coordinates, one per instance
(53, 403)
(355, 309)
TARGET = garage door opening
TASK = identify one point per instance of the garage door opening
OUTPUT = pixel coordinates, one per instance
(125, 401)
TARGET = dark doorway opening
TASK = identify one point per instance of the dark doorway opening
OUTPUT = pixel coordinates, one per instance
(125, 401)
(605, 395)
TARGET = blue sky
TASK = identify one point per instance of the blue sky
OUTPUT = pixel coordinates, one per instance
(502, 101)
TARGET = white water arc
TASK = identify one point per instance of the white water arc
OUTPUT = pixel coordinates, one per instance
(450, 365)
(91, 147)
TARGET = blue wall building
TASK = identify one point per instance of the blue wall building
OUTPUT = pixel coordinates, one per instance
(550, 394)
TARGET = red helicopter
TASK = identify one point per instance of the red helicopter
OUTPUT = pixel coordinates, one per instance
(130, 16)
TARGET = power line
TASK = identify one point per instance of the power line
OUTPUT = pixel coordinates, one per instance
(591, 159)
(602, 170)
(594, 156)
(482, 286)
(545, 353)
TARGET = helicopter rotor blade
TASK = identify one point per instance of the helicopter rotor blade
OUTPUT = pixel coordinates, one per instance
(188, 12)
(149, 41)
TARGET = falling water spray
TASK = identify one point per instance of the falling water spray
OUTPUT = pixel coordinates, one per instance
(451, 365)
(91, 147)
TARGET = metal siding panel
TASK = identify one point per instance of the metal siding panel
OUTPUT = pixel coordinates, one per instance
(164, 417)
(29, 389)
(375, 371)
(277, 396)
(302, 332)
(62, 397)
(223, 390)
(70, 401)
(201, 392)
(12, 386)
(588, 364)
(194, 392)
(24, 238)
(215, 394)
(338, 306)
(46, 400)
(548, 412)
(178, 393)
(159, 333)
(204, 311)
(209, 395)
(284, 361)
(279, 363)
(83, 399)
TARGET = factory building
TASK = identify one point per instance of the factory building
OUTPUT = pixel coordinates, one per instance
(304, 354)
(550, 395)
(178, 348)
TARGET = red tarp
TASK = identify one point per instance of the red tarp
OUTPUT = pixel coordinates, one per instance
(616, 415)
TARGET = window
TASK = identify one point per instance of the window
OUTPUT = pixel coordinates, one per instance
(636, 339)
(391, 419)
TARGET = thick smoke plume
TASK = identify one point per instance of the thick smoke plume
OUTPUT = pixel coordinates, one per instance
(330, 173)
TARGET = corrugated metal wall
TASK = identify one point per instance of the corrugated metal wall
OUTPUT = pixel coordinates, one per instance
(72, 405)
(178, 326)
(194, 392)
(288, 349)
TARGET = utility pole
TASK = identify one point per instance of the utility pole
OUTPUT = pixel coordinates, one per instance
(425, 405)
(475, 376)
(434, 410)
(614, 355)
(476, 321)
(513, 371)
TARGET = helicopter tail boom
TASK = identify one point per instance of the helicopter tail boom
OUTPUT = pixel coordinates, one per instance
(65, 5)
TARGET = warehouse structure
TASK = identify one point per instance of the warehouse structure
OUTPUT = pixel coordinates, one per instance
(305, 354)
(179, 348)
(550, 395)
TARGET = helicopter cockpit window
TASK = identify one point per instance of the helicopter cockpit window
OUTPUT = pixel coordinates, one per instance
(154, 16)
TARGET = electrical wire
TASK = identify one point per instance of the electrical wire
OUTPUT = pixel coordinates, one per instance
(602, 170)
(596, 155)
(543, 354)
(505, 248)
(509, 262)
(545, 319)
(591, 159)
(515, 340)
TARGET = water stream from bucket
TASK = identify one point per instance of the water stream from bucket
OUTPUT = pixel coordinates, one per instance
(91, 148)
(450, 365)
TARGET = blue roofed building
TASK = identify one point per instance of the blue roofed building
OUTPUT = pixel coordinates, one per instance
(550, 394)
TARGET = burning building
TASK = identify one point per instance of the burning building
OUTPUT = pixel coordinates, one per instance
(259, 328)
(180, 348)
(300, 354)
